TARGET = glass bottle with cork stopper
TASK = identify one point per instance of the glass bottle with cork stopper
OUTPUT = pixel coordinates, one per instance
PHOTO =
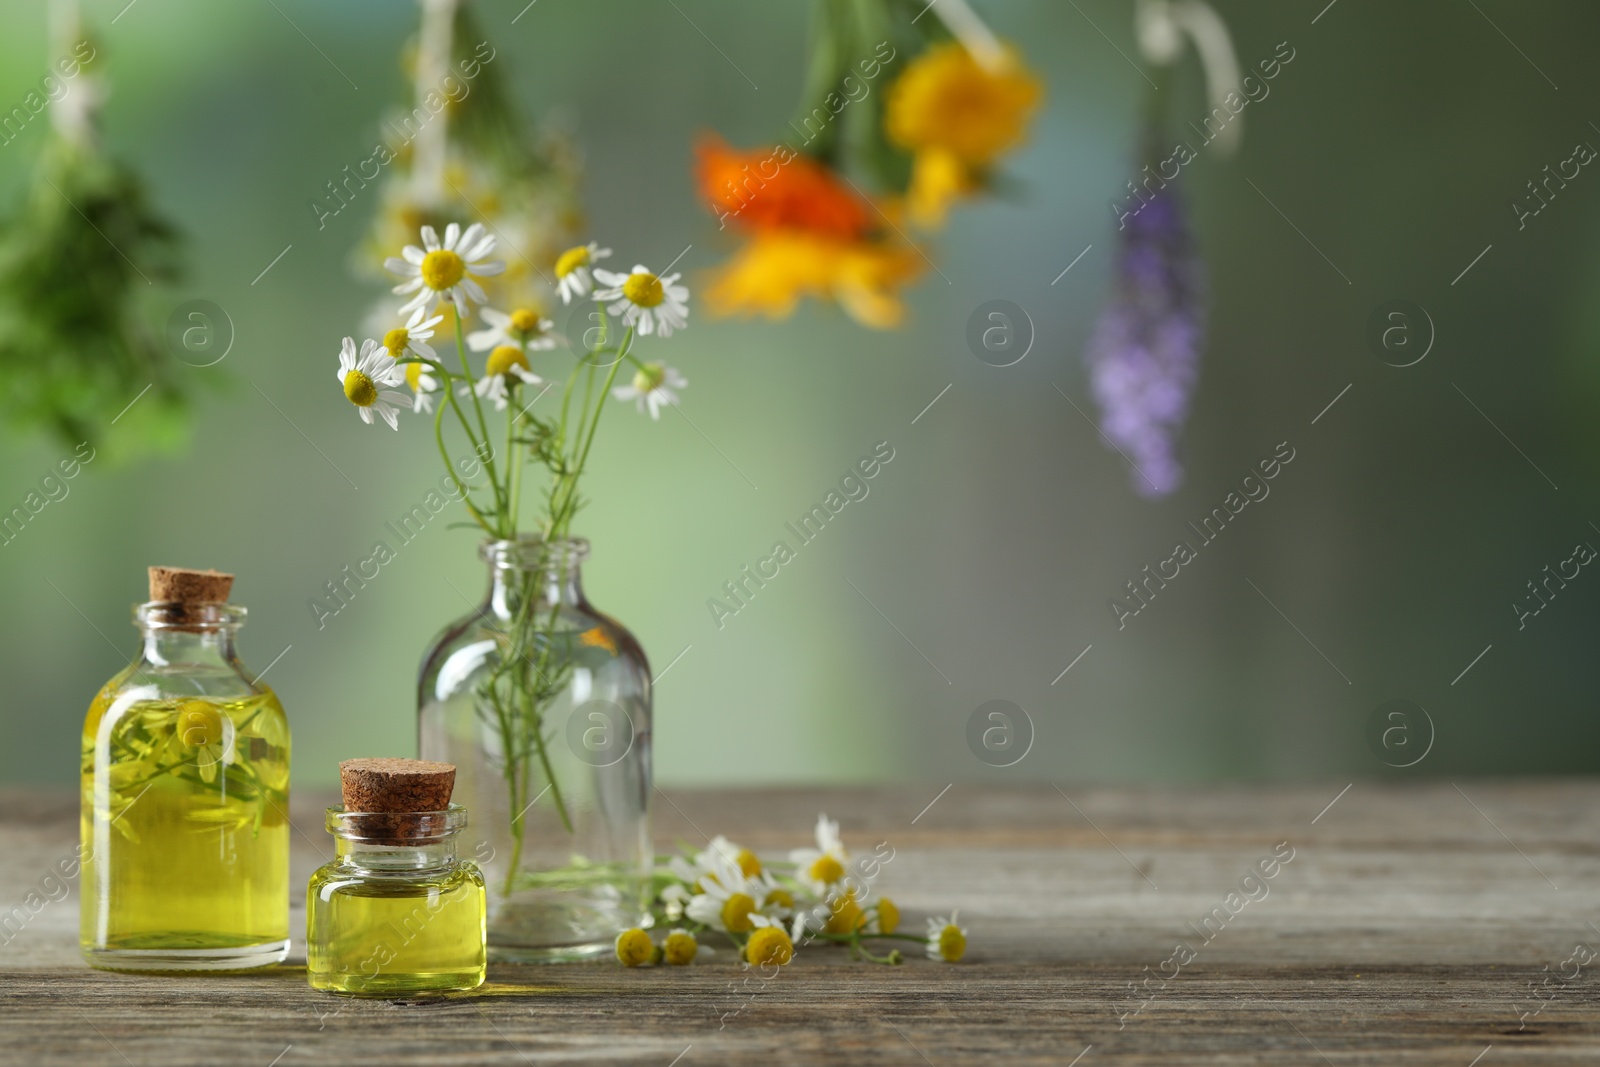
(185, 793)
(396, 914)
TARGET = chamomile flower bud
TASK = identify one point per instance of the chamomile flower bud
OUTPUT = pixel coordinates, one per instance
(680, 948)
(769, 944)
(888, 916)
(634, 948)
(946, 940)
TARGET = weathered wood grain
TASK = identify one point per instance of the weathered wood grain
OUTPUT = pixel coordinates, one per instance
(1406, 930)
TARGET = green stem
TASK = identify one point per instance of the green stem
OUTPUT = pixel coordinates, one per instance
(438, 435)
(483, 426)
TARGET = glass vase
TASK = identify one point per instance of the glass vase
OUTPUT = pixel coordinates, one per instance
(543, 705)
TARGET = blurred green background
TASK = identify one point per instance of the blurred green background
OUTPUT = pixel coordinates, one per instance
(1396, 542)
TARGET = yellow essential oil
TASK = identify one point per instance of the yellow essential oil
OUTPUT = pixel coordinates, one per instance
(396, 914)
(185, 780)
(395, 936)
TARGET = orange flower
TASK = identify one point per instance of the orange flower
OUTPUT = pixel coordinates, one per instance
(777, 267)
(595, 637)
(777, 188)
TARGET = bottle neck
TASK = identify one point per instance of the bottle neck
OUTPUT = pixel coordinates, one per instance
(189, 635)
(202, 648)
(529, 570)
(411, 856)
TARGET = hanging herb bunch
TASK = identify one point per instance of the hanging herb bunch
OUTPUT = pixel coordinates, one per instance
(462, 150)
(908, 109)
(79, 262)
(1144, 354)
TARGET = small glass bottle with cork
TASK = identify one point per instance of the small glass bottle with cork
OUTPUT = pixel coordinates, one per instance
(396, 914)
(185, 793)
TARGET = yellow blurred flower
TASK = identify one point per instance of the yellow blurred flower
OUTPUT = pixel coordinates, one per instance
(634, 948)
(846, 916)
(596, 637)
(777, 267)
(769, 944)
(956, 118)
(888, 916)
(680, 948)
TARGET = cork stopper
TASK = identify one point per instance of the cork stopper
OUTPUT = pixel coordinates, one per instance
(399, 787)
(182, 585)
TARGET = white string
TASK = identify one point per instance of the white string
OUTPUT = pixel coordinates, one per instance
(965, 26)
(1160, 26)
(433, 66)
(73, 115)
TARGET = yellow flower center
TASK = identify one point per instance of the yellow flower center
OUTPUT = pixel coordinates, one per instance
(571, 260)
(414, 376)
(680, 948)
(952, 943)
(736, 913)
(396, 340)
(644, 289)
(826, 869)
(749, 863)
(770, 944)
(359, 389)
(199, 724)
(504, 358)
(634, 948)
(847, 916)
(442, 269)
(888, 916)
(779, 898)
(647, 380)
(524, 321)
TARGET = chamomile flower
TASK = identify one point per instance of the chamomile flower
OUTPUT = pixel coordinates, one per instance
(523, 328)
(363, 375)
(634, 948)
(446, 270)
(655, 304)
(823, 867)
(886, 917)
(747, 862)
(506, 367)
(769, 943)
(655, 385)
(423, 385)
(845, 915)
(729, 901)
(574, 270)
(411, 340)
(946, 940)
(205, 737)
(680, 948)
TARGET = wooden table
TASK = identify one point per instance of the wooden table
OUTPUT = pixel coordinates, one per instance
(1413, 925)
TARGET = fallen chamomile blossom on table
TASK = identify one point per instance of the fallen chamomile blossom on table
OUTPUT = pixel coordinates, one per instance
(769, 910)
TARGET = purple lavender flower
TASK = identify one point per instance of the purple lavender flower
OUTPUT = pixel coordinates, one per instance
(1144, 354)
